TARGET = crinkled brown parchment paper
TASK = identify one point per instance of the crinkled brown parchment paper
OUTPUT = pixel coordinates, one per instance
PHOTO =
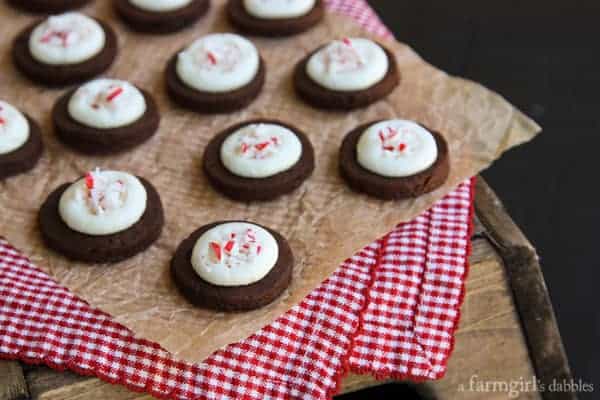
(323, 220)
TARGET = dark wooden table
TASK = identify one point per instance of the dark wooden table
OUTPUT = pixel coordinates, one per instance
(507, 330)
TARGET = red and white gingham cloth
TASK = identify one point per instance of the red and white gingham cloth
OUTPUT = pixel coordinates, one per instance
(390, 310)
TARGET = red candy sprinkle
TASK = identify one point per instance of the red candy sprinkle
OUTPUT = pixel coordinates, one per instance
(261, 146)
(2, 121)
(89, 181)
(402, 147)
(62, 35)
(229, 246)
(114, 94)
(245, 147)
(388, 148)
(381, 137)
(347, 41)
(211, 57)
(258, 249)
(216, 248)
(275, 140)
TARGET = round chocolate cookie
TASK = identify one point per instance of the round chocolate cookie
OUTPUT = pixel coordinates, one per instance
(208, 102)
(324, 98)
(47, 6)
(275, 27)
(257, 189)
(231, 298)
(390, 188)
(63, 74)
(160, 22)
(90, 140)
(25, 157)
(103, 248)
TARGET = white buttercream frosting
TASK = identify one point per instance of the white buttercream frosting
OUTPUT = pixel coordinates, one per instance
(160, 5)
(396, 148)
(260, 150)
(219, 62)
(14, 128)
(103, 203)
(107, 103)
(277, 9)
(68, 38)
(349, 64)
(234, 254)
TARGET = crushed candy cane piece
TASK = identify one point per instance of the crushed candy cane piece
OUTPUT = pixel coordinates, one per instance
(216, 248)
(114, 94)
(211, 57)
(261, 146)
(89, 180)
(229, 246)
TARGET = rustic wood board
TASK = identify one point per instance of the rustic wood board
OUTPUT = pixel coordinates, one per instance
(505, 333)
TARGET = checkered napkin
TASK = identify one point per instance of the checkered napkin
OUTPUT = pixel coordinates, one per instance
(390, 311)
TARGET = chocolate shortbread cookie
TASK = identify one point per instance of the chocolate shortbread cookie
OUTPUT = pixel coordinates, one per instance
(422, 172)
(161, 21)
(90, 139)
(217, 73)
(280, 26)
(61, 74)
(105, 248)
(26, 156)
(329, 98)
(48, 6)
(259, 141)
(237, 256)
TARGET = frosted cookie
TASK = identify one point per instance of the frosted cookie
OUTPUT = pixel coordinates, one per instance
(105, 116)
(232, 266)
(217, 73)
(275, 17)
(258, 160)
(48, 6)
(394, 159)
(105, 216)
(65, 49)
(20, 141)
(160, 16)
(346, 74)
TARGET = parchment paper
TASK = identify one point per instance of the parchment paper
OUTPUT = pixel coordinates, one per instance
(324, 221)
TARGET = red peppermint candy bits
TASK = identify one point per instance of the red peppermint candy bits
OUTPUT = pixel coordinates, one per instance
(89, 180)
(211, 57)
(63, 36)
(262, 146)
(114, 94)
(229, 246)
(216, 248)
